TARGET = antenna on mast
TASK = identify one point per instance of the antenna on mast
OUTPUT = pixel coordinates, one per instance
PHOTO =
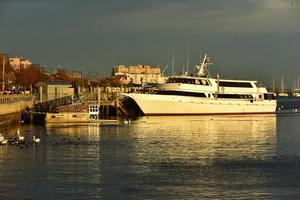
(200, 56)
(200, 70)
(164, 70)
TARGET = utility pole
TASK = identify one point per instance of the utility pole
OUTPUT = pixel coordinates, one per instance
(3, 72)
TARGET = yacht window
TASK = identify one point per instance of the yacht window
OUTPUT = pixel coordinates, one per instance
(203, 82)
(189, 81)
(235, 84)
(181, 80)
(269, 96)
(182, 93)
(235, 96)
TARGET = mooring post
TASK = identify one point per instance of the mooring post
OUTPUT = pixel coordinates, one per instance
(99, 99)
(218, 86)
(99, 95)
(41, 94)
(117, 106)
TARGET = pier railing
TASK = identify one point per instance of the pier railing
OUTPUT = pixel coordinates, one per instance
(49, 97)
(53, 104)
(8, 99)
(111, 93)
(14, 103)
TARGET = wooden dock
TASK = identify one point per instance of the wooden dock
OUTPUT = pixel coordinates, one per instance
(76, 117)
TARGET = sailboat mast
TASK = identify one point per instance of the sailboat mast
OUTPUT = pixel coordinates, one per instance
(173, 63)
(187, 61)
(282, 84)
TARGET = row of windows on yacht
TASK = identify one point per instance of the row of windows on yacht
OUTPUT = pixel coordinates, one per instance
(207, 82)
(209, 95)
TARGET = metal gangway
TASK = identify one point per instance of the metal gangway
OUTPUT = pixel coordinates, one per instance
(53, 104)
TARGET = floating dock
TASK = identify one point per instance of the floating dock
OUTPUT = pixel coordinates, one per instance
(77, 117)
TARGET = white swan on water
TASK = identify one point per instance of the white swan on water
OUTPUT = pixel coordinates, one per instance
(36, 140)
(2, 139)
(20, 137)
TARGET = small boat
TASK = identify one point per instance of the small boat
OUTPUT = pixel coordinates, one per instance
(283, 94)
(296, 94)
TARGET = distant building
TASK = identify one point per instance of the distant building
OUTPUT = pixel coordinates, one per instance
(139, 74)
(54, 90)
(17, 63)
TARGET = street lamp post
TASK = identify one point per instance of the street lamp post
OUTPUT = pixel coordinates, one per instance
(3, 71)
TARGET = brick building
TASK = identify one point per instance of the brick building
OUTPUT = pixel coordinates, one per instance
(18, 63)
(140, 74)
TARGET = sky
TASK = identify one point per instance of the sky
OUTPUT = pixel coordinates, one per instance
(246, 39)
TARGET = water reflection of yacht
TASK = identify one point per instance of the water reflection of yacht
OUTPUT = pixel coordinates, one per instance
(207, 136)
(201, 94)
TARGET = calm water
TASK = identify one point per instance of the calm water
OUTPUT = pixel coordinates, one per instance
(211, 157)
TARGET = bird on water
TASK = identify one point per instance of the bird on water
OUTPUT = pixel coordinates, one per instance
(20, 138)
(36, 140)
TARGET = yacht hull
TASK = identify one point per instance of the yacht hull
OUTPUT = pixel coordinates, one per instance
(155, 104)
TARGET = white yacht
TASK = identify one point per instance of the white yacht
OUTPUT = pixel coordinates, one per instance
(201, 94)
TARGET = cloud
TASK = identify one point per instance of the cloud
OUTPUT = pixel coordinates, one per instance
(247, 16)
(157, 17)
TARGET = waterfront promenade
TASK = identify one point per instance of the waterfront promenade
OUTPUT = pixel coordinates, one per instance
(14, 103)
(11, 107)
